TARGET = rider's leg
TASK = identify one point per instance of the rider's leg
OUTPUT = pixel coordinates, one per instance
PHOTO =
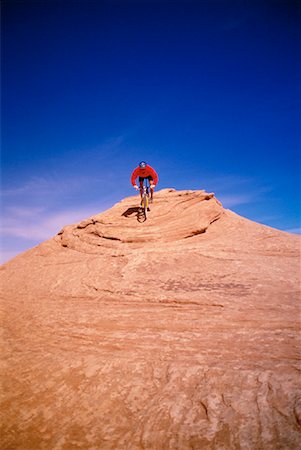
(151, 182)
(141, 185)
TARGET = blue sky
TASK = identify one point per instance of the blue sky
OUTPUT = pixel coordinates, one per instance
(207, 92)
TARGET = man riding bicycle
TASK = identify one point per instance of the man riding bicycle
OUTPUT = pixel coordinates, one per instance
(144, 171)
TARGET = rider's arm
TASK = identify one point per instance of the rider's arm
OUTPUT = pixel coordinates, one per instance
(134, 176)
(154, 175)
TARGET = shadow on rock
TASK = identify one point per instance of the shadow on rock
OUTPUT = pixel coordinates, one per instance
(131, 211)
(135, 210)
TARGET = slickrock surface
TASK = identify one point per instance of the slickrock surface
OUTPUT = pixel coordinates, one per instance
(180, 332)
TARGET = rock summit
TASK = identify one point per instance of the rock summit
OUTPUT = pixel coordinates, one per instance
(180, 332)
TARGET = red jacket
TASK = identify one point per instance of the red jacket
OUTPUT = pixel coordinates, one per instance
(144, 173)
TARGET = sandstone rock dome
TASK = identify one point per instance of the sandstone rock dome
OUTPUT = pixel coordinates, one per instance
(180, 332)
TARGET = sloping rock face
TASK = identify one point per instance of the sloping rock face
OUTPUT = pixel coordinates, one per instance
(180, 332)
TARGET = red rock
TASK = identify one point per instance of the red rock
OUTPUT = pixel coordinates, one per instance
(179, 332)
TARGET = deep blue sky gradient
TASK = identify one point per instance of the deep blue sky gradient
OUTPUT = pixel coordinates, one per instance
(208, 92)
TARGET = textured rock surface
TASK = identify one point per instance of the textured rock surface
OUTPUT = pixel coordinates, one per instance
(180, 332)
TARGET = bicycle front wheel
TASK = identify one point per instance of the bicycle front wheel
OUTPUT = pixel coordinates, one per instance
(144, 204)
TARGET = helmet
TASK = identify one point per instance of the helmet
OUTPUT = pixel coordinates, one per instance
(142, 165)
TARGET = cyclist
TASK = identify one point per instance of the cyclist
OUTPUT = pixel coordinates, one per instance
(144, 171)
